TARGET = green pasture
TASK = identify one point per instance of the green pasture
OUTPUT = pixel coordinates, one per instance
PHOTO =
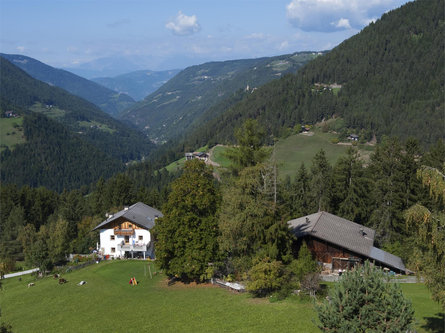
(219, 157)
(108, 303)
(174, 166)
(299, 148)
(11, 132)
(51, 112)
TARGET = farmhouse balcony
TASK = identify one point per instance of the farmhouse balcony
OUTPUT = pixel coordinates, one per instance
(124, 232)
(130, 247)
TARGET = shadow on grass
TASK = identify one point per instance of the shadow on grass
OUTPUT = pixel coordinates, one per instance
(435, 324)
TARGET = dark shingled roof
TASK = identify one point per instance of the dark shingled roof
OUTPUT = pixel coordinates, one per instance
(139, 213)
(344, 233)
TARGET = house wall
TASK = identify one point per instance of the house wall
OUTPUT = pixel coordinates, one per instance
(107, 243)
(323, 251)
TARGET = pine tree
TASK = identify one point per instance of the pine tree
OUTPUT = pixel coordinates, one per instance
(350, 188)
(321, 181)
(186, 237)
(363, 302)
(386, 170)
(301, 196)
(250, 151)
(249, 220)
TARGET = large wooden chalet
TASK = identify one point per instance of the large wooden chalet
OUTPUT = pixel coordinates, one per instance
(127, 233)
(339, 243)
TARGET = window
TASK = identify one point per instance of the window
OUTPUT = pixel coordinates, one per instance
(113, 250)
(141, 237)
(127, 239)
(112, 237)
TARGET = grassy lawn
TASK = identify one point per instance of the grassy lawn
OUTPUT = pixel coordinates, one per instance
(295, 149)
(174, 166)
(11, 132)
(218, 156)
(107, 303)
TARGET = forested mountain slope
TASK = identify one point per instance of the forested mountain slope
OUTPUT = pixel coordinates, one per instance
(108, 100)
(391, 77)
(138, 84)
(170, 110)
(53, 157)
(80, 117)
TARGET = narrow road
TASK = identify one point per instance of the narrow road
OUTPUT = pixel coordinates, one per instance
(29, 271)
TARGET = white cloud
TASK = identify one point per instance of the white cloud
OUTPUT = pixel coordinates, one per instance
(20, 48)
(284, 45)
(335, 15)
(183, 25)
(342, 23)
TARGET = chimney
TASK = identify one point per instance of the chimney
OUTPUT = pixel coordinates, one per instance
(362, 232)
(307, 220)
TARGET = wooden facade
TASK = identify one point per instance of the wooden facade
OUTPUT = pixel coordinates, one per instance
(328, 253)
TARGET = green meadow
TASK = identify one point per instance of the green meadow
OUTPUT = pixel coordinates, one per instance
(11, 132)
(108, 303)
(301, 148)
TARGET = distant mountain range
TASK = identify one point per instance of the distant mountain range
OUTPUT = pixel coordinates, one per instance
(173, 108)
(388, 80)
(108, 100)
(69, 141)
(138, 84)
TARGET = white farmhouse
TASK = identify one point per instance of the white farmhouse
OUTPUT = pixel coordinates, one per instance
(127, 233)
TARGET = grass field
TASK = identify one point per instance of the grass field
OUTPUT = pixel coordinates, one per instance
(219, 157)
(107, 303)
(11, 132)
(295, 149)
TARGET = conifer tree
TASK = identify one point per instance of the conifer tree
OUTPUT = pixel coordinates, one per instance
(321, 181)
(363, 302)
(301, 196)
(250, 151)
(350, 188)
(186, 237)
(386, 170)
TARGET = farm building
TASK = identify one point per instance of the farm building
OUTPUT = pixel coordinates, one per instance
(339, 243)
(127, 233)
(199, 155)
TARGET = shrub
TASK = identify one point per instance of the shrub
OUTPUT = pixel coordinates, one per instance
(363, 302)
(266, 277)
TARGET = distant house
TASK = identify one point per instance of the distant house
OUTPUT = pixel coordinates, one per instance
(10, 114)
(199, 155)
(353, 137)
(339, 243)
(127, 233)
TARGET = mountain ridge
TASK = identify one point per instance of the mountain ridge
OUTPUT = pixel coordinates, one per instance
(108, 100)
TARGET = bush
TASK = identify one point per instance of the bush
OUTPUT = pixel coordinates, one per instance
(267, 276)
(363, 302)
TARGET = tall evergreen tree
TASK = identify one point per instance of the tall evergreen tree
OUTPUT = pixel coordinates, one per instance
(186, 237)
(250, 151)
(350, 188)
(321, 181)
(386, 170)
(249, 221)
(301, 196)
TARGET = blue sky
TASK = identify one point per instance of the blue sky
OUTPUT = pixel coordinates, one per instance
(166, 34)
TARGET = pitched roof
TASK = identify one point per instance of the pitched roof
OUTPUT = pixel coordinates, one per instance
(344, 233)
(139, 213)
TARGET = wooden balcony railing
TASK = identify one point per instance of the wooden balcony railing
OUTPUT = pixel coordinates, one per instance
(124, 232)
